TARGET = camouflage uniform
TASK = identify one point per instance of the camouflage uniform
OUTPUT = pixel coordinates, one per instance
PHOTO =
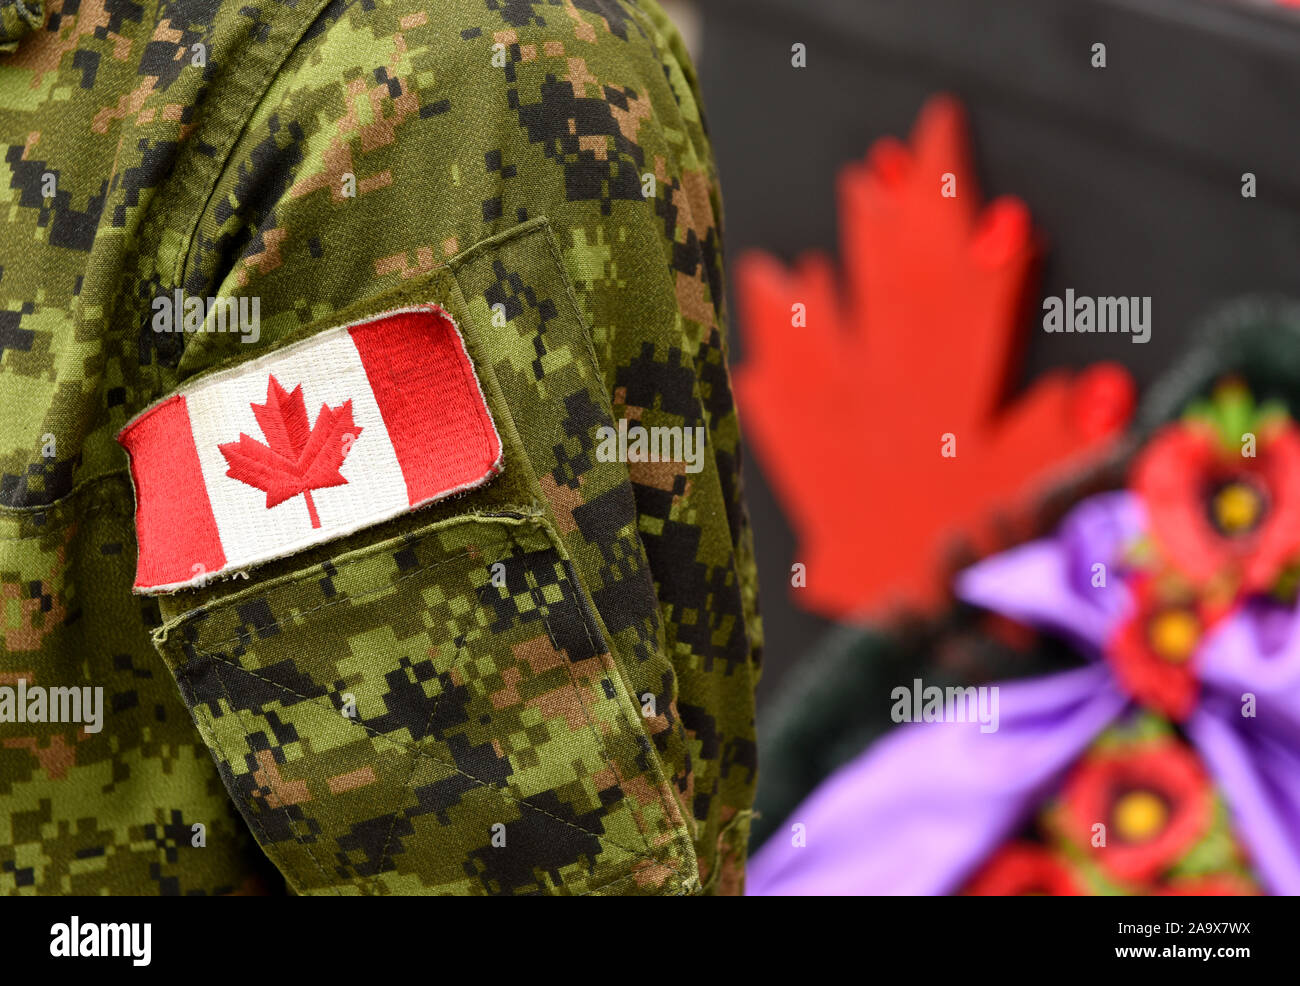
(593, 710)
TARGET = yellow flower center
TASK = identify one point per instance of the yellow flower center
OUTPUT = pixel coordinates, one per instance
(1237, 508)
(1140, 815)
(1173, 634)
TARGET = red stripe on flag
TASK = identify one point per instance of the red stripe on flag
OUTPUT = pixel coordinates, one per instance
(174, 525)
(429, 397)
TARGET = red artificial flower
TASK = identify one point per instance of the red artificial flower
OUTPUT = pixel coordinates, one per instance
(1218, 515)
(1215, 885)
(1024, 869)
(1152, 653)
(1153, 798)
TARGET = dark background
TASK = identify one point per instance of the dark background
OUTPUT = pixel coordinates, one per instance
(1132, 173)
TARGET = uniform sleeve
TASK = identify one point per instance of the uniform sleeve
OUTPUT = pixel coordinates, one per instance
(545, 683)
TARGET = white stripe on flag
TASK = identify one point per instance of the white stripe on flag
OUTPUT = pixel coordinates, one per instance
(330, 372)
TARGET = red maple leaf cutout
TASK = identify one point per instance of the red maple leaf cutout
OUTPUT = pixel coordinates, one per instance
(297, 459)
(848, 412)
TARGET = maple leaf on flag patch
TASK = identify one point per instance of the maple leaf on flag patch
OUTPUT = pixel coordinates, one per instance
(297, 458)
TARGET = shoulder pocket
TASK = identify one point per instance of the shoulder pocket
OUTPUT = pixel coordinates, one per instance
(471, 697)
(438, 713)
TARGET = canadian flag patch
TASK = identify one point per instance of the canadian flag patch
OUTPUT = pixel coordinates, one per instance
(342, 430)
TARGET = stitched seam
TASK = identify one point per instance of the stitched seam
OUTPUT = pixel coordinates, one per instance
(397, 808)
(554, 250)
(725, 836)
(591, 726)
(609, 883)
(121, 509)
(586, 714)
(582, 327)
(493, 243)
(180, 266)
(661, 783)
(64, 526)
(374, 591)
(544, 228)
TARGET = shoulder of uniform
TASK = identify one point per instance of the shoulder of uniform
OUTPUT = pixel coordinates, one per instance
(469, 32)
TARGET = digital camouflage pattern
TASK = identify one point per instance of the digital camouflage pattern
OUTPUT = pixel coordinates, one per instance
(543, 686)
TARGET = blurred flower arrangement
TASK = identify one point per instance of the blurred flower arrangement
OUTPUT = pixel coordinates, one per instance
(1184, 586)
(1168, 763)
(1165, 758)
